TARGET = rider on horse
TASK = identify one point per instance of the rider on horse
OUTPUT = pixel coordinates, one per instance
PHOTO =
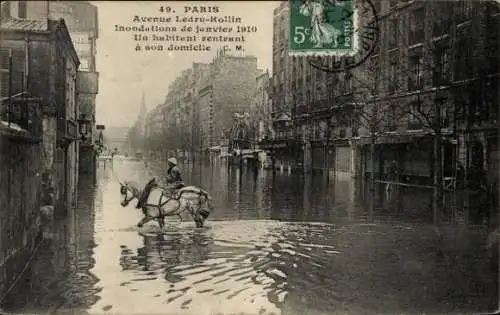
(174, 182)
(174, 178)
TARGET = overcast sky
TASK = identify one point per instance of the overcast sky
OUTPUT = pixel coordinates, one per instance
(125, 72)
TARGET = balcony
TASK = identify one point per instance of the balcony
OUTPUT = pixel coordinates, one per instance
(300, 110)
(342, 133)
(416, 37)
(441, 27)
(391, 127)
(415, 125)
(321, 105)
(415, 84)
(23, 116)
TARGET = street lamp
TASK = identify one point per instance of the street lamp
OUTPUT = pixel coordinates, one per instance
(84, 125)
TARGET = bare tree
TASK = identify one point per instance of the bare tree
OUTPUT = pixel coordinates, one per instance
(424, 76)
(418, 70)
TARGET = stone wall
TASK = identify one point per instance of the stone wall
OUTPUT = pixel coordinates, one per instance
(20, 221)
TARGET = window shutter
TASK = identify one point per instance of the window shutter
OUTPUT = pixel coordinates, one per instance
(4, 72)
(18, 59)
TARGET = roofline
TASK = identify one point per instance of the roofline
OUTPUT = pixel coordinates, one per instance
(9, 30)
(61, 24)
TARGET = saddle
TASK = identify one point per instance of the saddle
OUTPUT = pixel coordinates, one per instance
(152, 184)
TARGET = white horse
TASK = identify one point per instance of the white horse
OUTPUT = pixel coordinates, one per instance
(161, 204)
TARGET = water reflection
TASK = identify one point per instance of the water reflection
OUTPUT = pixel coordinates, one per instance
(303, 268)
(263, 263)
(60, 272)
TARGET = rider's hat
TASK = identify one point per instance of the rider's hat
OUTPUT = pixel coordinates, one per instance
(172, 161)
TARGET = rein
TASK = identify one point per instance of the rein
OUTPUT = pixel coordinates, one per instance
(136, 192)
(128, 189)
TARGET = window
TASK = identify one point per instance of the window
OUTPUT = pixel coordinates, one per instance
(374, 68)
(377, 5)
(492, 39)
(354, 126)
(442, 107)
(463, 56)
(415, 67)
(491, 100)
(84, 64)
(414, 122)
(18, 63)
(5, 9)
(393, 72)
(416, 34)
(4, 72)
(348, 83)
(463, 11)
(318, 76)
(442, 24)
(391, 118)
(441, 66)
(393, 32)
(22, 9)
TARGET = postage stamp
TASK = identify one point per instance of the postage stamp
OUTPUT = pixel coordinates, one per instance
(322, 27)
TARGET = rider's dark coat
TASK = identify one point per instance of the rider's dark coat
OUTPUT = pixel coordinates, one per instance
(174, 178)
(174, 181)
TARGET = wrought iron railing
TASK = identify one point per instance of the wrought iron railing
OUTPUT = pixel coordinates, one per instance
(25, 113)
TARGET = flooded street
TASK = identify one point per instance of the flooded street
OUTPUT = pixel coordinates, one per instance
(308, 249)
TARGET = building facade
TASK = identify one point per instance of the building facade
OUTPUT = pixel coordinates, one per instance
(439, 75)
(260, 112)
(81, 20)
(46, 164)
(233, 90)
(300, 95)
(200, 104)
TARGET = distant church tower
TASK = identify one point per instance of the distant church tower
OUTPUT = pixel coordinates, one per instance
(141, 119)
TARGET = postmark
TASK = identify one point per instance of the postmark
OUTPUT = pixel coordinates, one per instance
(365, 37)
(321, 27)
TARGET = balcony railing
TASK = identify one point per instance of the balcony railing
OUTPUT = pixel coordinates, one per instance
(25, 113)
(342, 133)
(441, 27)
(416, 36)
(414, 125)
(391, 127)
(301, 110)
(415, 84)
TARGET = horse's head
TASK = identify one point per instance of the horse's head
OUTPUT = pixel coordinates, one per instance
(127, 192)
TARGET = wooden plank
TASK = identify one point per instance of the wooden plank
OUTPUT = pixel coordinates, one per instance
(403, 184)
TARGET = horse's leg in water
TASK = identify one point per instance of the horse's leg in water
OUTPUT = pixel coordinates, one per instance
(144, 221)
(196, 217)
(161, 221)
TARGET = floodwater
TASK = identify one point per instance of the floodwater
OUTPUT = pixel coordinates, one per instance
(276, 244)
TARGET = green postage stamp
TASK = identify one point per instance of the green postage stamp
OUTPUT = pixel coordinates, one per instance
(321, 27)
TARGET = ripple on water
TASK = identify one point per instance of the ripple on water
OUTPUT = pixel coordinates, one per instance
(233, 266)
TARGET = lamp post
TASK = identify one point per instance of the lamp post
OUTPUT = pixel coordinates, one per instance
(84, 126)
